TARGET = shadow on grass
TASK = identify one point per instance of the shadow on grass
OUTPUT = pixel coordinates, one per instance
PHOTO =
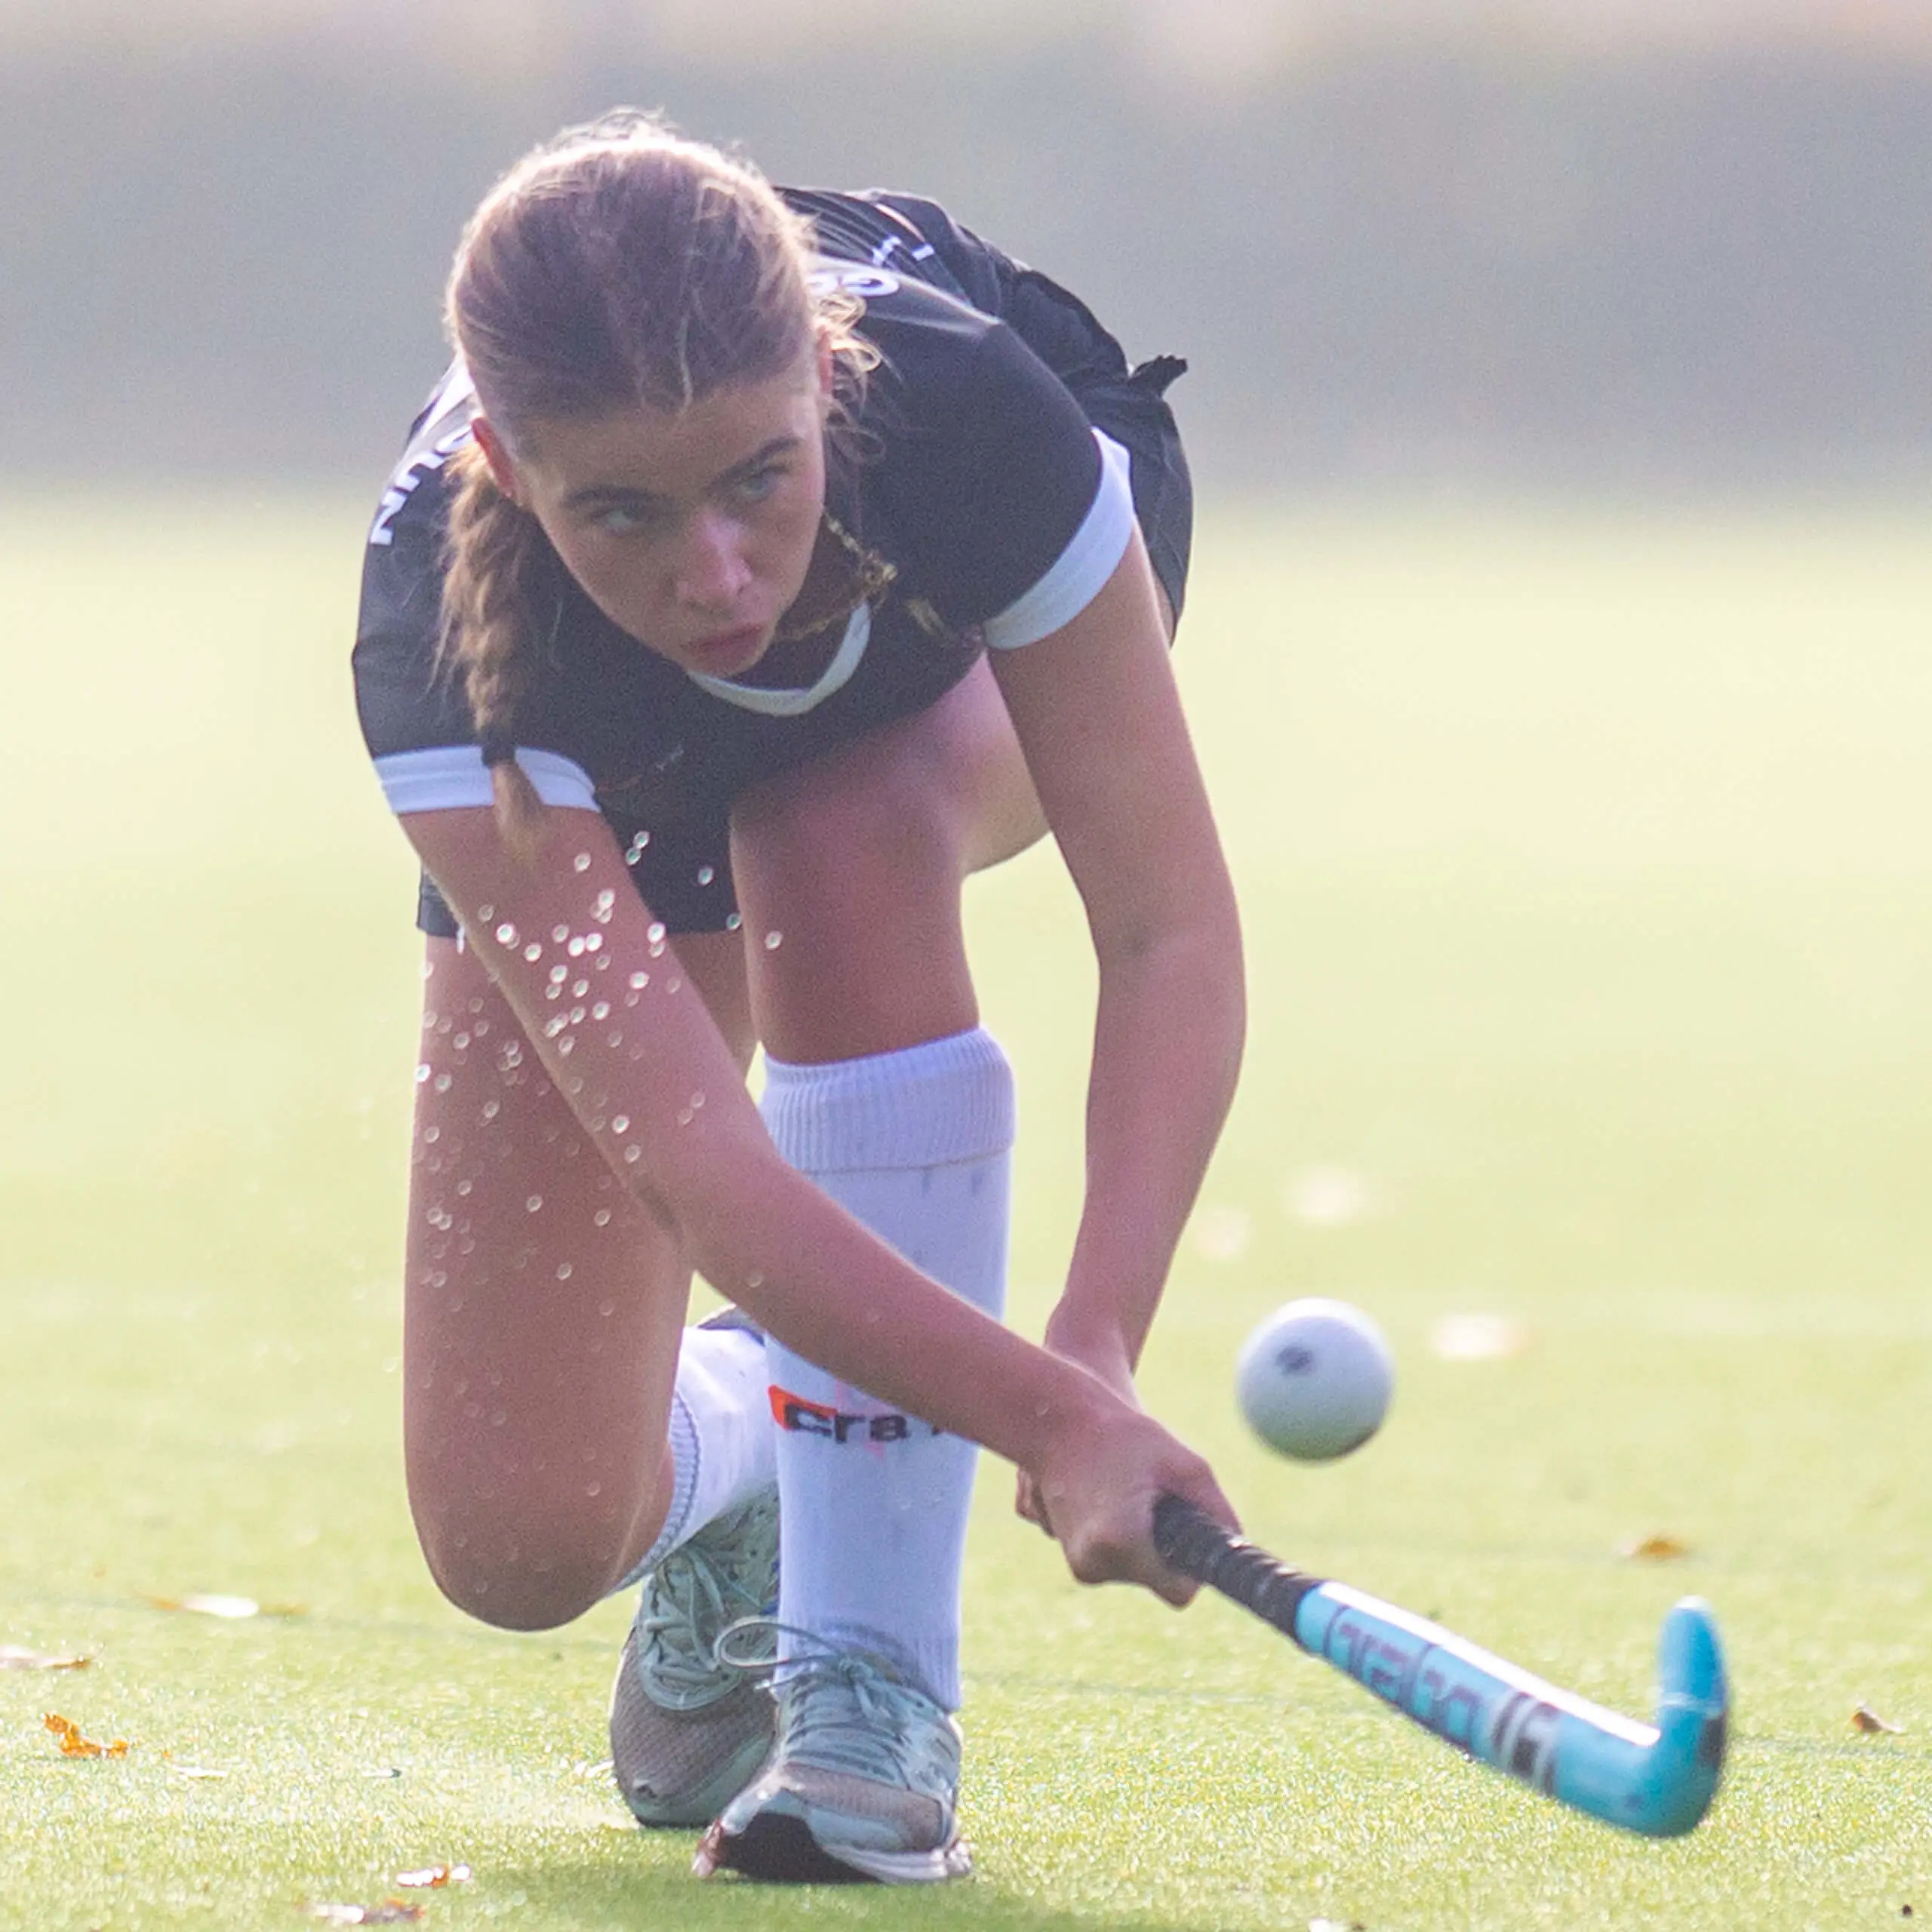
(592, 1893)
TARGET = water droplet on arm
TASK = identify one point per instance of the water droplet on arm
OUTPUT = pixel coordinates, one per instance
(582, 861)
(773, 941)
(506, 934)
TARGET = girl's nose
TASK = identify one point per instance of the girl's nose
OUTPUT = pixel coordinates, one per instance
(712, 568)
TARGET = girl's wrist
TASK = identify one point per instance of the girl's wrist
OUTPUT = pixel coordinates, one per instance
(1098, 1342)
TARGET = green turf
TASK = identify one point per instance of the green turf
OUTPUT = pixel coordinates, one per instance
(1587, 863)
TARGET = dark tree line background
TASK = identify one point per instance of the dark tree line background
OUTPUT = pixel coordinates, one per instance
(1710, 270)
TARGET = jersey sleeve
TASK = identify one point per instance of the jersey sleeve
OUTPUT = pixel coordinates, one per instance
(414, 718)
(1023, 515)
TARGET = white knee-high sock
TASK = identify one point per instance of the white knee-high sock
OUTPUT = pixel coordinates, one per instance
(917, 1144)
(722, 1436)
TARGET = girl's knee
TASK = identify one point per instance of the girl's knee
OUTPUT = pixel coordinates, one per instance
(521, 1575)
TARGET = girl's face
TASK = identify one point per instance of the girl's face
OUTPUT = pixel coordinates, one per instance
(693, 530)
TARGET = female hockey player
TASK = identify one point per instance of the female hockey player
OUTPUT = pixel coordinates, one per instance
(768, 562)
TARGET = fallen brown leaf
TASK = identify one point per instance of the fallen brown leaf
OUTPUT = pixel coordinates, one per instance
(1653, 1549)
(73, 1745)
(434, 1875)
(1866, 1719)
(14, 1657)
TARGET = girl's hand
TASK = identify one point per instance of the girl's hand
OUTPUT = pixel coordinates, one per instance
(1096, 1489)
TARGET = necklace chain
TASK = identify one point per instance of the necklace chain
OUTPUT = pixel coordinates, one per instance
(868, 576)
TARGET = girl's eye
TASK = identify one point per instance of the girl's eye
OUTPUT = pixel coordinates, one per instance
(621, 520)
(760, 483)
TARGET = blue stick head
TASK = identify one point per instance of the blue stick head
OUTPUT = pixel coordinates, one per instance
(1693, 1704)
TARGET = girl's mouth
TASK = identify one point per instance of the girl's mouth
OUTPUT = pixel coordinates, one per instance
(727, 652)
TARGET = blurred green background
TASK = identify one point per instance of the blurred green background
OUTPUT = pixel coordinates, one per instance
(1557, 656)
(1544, 242)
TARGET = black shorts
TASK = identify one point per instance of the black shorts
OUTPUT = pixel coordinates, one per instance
(684, 872)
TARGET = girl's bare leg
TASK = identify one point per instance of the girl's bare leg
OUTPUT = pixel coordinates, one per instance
(856, 863)
(542, 1312)
(540, 1342)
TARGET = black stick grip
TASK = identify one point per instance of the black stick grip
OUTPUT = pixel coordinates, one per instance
(1191, 1541)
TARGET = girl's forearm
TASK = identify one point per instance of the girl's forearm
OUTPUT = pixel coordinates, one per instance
(1167, 1052)
(831, 1291)
(671, 1117)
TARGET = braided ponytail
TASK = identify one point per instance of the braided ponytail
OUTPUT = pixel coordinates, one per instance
(492, 584)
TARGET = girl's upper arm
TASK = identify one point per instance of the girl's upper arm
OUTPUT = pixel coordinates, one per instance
(1099, 718)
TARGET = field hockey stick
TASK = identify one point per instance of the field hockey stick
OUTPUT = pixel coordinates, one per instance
(1656, 1779)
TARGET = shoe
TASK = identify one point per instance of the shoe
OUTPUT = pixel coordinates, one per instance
(863, 1782)
(687, 1734)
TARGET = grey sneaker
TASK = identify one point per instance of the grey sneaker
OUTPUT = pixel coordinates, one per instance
(863, 1783)
(687, 1733)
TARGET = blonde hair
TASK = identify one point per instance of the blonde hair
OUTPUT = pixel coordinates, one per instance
(615, 266)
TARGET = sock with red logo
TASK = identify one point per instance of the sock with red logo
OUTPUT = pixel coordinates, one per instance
(722, 1436)
(872, 1504)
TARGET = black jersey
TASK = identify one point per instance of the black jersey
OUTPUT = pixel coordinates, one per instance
(982, 483)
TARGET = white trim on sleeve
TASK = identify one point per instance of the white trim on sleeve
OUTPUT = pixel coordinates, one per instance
(442, 778)
(1075, 578)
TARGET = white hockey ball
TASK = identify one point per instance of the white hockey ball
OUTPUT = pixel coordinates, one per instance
(1315, 1379)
